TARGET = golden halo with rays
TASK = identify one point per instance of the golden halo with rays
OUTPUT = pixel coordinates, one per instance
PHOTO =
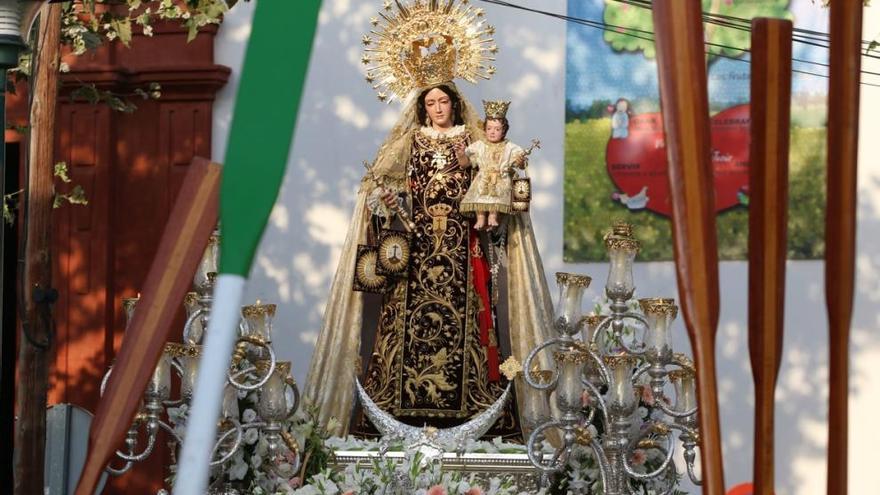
(427, 42)
(365, 270)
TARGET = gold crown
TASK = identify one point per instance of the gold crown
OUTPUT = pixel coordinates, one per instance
(424, 43)
(496, 109)
(431, 60)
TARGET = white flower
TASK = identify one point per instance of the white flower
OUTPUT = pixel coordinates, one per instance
(251, 435)
(64, 67)
(238, 470)
(333, 425)
(111, 35)
(148, 30)
(249, 415)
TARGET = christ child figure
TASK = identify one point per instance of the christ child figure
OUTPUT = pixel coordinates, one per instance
(495, 159)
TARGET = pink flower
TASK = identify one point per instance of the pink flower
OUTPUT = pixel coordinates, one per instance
(638, 457)
(586, 400)
(474, 490)
(295, 482)
(350, 492)
(647, 395)
(436, 490)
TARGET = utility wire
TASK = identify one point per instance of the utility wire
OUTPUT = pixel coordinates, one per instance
(648, 35)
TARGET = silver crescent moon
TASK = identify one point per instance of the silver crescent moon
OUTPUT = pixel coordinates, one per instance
(473, 429)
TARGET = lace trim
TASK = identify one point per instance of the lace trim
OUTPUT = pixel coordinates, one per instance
(435, 134)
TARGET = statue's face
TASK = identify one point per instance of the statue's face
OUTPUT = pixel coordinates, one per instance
(439, 108)
(494, 131)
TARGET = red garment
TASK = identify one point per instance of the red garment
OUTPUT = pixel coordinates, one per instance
(481, 285)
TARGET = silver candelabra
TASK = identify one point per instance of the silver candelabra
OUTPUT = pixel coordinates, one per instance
(254, 368)
(599, 359)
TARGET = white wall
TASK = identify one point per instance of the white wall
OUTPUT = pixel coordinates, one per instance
(341, 123)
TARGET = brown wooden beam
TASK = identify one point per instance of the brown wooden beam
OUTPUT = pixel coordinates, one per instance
(768, 213)
(681, 64)
(845, 28)
(183, 242)
(35, 351)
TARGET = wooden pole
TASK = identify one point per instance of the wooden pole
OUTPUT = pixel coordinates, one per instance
(840, 223)
(768, 213)
(183, 243)
(35, 353)
(681, 63)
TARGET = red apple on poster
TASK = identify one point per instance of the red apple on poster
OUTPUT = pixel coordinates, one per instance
(636, 161)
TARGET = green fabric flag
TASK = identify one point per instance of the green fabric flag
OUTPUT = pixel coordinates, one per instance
(273, 77)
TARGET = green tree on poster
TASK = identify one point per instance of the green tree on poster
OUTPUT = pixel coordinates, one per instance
(634, 23)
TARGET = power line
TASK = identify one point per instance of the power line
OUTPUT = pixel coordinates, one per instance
(648, 35)
(740, 23)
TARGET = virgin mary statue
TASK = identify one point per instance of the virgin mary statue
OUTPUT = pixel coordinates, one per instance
(437, 339)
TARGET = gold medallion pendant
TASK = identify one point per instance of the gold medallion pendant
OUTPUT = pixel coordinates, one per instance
(521, 194)
(366, 276)
(393, 253)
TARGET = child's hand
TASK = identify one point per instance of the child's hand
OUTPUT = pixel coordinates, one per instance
(460, 155)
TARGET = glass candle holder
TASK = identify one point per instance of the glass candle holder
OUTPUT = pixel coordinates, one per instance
(202, 282)
(622, 249)
(258, 324)
(536, 410)
(188, 357)
(571, 293)
(569, 388)
(128, 306)
(684, 382)
(659, 314)
(621, 393)
(273, 400)
(159, 387)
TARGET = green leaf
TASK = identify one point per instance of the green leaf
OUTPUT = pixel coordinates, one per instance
(92, 40)
(8, 217)
(77, 196)
(123, 29)
(61, 172)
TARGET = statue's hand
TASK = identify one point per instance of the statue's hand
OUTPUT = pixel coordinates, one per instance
(461, 155)
(389, 198)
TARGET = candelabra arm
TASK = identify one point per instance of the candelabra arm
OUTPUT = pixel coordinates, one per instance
(233, 377)
(292, 384)
(104, 381)
(152, 428)
(527, 365)
(642, 348)
(236, 444)
(170, 430)
(669, 411)
(121, 471)
(669, 450)
(604, 373)
(692, 475)
(187, 327)
(689, 441)
(640, 371)
(536, 456)
(604, 464)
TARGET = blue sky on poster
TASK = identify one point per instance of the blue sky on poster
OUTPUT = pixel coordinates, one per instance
(596, 72)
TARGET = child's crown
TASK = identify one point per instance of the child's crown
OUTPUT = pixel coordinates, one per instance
(496, 109)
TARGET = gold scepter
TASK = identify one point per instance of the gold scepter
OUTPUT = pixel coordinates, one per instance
(536, 144)
(408, 224)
